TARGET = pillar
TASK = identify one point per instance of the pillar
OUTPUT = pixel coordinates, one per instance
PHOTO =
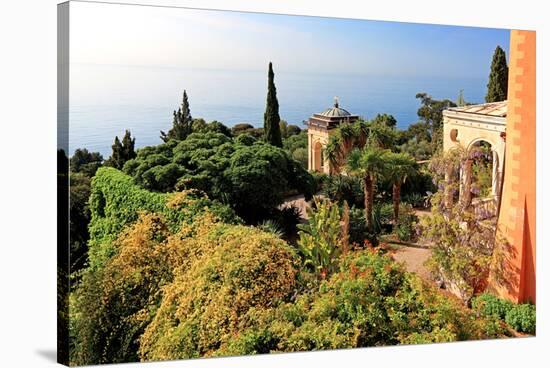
(513, 275)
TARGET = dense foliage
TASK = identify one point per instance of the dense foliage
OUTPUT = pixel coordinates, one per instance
(521, 317)
(370, 301)
(463, 240)
(170, 279)
(85, 162)
(296, 145)
(116, 202)
(251, 176)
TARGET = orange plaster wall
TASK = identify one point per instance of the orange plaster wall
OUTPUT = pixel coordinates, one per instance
(516, 225)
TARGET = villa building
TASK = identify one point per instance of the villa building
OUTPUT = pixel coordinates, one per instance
(508, 127)
(471, 126)
(319, 129)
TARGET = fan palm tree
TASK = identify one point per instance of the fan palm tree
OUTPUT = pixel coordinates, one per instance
(399, 167)
(368, 164)
(347, 137)
(356, 135)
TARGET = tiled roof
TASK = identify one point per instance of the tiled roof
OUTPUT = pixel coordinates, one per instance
(490, 109)
(335, 112)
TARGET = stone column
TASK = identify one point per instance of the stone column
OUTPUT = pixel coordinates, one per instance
(466, 195)
(496, 175)
(309, 153)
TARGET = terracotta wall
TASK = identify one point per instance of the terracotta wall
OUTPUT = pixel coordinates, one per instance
(514, 276)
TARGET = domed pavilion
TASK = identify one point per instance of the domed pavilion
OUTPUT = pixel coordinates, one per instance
(319, 129)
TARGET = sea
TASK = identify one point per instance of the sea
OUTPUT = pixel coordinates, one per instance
(105, 100)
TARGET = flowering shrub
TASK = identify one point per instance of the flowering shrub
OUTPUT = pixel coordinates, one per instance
(170, 295)
(115, 202)
(462, 239)
(370, 301)
(220, 273)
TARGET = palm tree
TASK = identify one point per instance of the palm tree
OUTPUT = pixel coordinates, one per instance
(368, 164)
(400, 166)
(356, 135)
(347, 137)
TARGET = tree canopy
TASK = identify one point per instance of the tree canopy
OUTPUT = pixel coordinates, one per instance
(249, 175)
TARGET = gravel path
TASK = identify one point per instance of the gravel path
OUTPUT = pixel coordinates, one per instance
(413, 259)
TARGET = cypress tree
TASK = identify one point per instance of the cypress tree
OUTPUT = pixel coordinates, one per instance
(272, 130)
(122, 151)
(128, 144)
(181, 123)
(497, 88)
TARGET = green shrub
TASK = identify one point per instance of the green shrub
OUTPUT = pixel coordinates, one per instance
(320, 241)
(115, 201)
(522, 318)
(370, 301)
(232, 270)
(340, 188)
(405, 229)
(113, 304)
(319, 180)
(489, 305)
(382, 214)
(358, 231)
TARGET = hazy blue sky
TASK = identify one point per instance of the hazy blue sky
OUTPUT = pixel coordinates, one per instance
(164, 37)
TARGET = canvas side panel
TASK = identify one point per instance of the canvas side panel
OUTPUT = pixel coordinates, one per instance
(63, 271)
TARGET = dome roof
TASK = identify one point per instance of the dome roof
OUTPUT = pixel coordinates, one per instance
(335, 112)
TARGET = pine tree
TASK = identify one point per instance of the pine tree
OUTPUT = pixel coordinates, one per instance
(181, 123)
(122, 151)
(497, 88)
(272, 130)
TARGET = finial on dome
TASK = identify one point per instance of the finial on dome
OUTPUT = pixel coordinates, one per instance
(336, 101)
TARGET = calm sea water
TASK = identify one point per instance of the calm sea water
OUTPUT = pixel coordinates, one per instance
(106, 100)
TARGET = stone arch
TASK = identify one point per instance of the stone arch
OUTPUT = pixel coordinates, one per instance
(317, 155)
(466, 127)
(496, 163)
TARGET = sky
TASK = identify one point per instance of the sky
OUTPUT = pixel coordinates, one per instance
(112, 34)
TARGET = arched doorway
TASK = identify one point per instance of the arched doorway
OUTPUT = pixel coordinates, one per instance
(485, 176)
(318, 157)
(480, 179)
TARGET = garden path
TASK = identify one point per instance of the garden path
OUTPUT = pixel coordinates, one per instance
(413, 258)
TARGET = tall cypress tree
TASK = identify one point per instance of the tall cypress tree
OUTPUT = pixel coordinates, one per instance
(272, 130)
(497, 88)
(181, 123)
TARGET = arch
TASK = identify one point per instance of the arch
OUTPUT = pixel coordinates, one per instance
(477, 140)
(317, 155)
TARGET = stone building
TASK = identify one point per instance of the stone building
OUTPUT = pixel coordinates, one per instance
(319, 129)
(509, 128)
(472, 125)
